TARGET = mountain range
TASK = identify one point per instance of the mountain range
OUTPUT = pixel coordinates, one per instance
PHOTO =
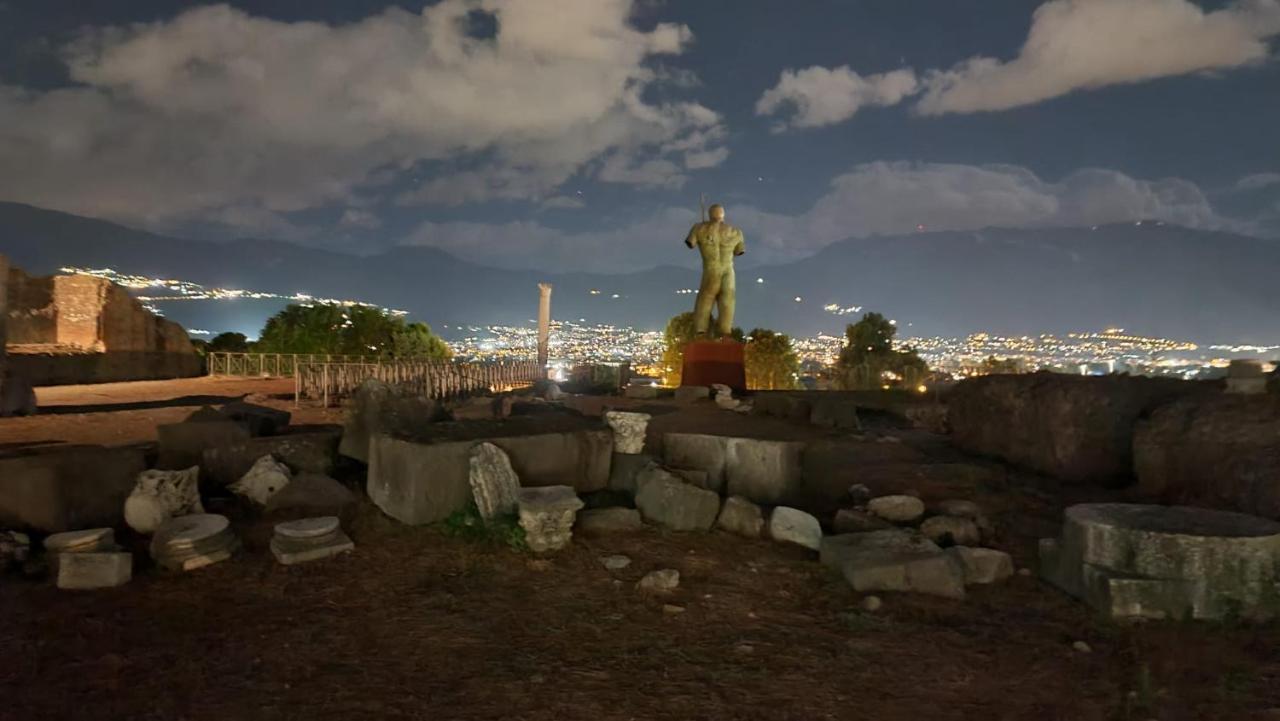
(1149, 278)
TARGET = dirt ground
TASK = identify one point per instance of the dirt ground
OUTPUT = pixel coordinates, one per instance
(416, 624)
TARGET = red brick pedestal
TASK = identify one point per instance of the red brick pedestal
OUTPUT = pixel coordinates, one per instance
(714, 361)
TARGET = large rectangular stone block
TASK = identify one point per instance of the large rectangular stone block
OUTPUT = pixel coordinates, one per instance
(308, 452)
(698, 451)
(61, 489)
(419, 483)
(766, 472)
(85, 571)
(182, 445)
(578, 458)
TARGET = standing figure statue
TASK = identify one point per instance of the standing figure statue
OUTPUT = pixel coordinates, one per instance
(719, 243)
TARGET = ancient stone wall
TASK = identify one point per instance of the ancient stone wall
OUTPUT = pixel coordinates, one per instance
(80, 329)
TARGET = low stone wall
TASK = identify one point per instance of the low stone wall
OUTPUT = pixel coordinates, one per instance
(55, 368)
(67, 487)
(1221, 451)
(1074, 428)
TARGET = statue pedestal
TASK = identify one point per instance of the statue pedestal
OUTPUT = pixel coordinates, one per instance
(714, 361)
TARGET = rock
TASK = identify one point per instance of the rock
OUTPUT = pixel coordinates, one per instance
(935, 574)
(552, 392)
(64, 487)
(262, 481)
(309, 539)
(727, 402)
(260, 420)
(313, 450)
(95, 569)
(693, 477)
(836, 551)
(182, 445)
(871, 604)
(547, 515)
(603, 521)
(685, 394)
(790, 525)
(1216, 450)
(960, 508)
(782, 404)
(206, 414)
(628, 430)
(699, 452)
(493, 481)
(15, 549)
(85, 541)
(1074, 428)
(312, 494)
(982, 565)
(159, 496)
(741, 517)
(851, 520)
(616, 562)
(898, 509)
(1081, 647)
(625, 467)
(190, 542)
(763, 471)
(835, 411)
(665, 499)
(662, 581)
(720, 389)
(671, 609)
(859, 494)
(951, 531)
(377, 408)
(642, 392)
(1140, 561)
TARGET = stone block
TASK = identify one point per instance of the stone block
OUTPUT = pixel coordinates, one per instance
(741, 517)
(641, 392)
(780, 404)
(603, 521)
(377, 408)
(63, 488)
(982, 565)
(303, 450)
(309, 539)
(951, 531)
(494, 483)
(763, 471)
(312, 494)
(260, 420)
(698, 451)
(182, 445)
(666, 500)
(897, 508)
(628, 430)
(790, 525)
(419, 483)
(935, 574)
(578, 458)
(625, 467)
(84, 571)
(688, 394)
(852, 520)
(835, 551)
(1166, 561)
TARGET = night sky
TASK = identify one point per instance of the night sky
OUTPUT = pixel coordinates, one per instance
(579, 134)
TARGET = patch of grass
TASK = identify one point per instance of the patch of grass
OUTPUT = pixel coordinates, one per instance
(468, 525)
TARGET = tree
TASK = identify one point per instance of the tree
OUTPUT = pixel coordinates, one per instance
(869, 360)
(772, 364)
(1000, 366)
(678, 334)
(325, 328)
(229, 343)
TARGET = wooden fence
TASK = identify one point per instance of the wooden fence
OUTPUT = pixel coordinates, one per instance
(281, 365)
(329, 382)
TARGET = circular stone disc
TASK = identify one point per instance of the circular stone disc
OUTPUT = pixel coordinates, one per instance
(308, 527)
(78, 539)
(185, 531)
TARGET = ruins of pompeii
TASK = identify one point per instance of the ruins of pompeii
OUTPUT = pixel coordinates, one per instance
(319, 539)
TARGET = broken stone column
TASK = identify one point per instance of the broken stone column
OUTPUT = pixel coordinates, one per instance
(628, 430)
(544, 326)
(1166, 562)
(195, 541)
(493, 481)
(267, 477)
(159, 496)
(309, 539)
(547, 515)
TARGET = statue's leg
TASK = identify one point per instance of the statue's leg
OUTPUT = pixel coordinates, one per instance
(708, 289)
(725, 303)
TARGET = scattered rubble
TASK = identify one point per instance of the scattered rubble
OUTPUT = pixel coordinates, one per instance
(665, 580)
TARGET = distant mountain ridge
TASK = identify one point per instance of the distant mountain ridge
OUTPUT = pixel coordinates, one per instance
(1151, 279)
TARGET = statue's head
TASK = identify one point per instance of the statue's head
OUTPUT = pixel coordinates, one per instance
(716, 212)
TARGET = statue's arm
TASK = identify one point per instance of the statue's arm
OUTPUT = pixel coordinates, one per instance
(691, 239)
(740, 247)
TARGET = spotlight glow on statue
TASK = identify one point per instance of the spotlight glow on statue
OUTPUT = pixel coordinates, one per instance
(719, 244)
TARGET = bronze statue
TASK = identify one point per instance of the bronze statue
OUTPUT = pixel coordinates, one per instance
(719, 243)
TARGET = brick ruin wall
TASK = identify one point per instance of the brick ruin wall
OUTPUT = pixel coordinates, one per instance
(79, 329)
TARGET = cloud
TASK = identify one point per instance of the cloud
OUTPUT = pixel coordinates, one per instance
(818, 96)
(1084, 44)
(218, 113)
(564, 202)
(1258, 181)
(359, 218)
(881, 198)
